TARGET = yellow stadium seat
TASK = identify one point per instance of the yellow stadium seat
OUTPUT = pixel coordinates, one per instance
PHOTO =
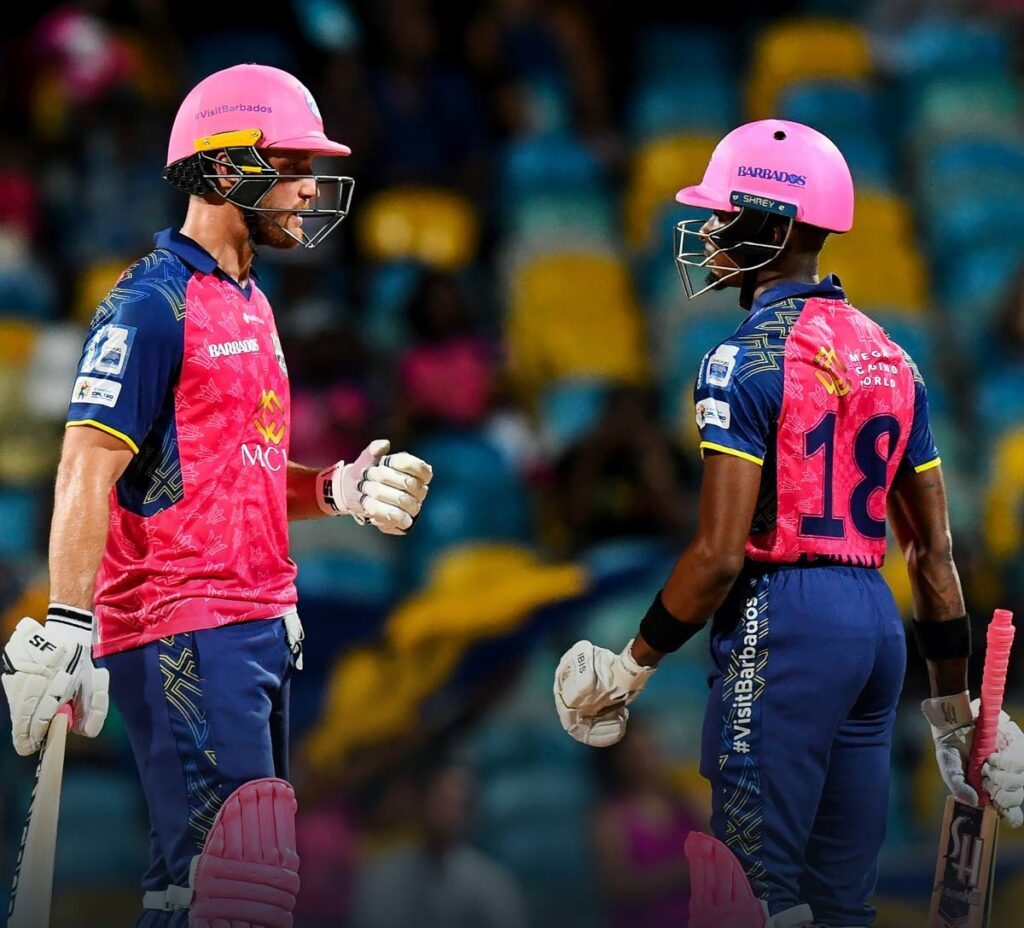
(1004, 498)
(33, 601)
(94, 283)
(573, 315)
(659, 170)
(896, 280)
(804, 49)
(516, 580)
(436, 227)
(374, 695)
(895, 573)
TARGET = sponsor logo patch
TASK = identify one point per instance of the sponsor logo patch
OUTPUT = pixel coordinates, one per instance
(108, 350)
(96, 391)
(713, 412)
(721, 364)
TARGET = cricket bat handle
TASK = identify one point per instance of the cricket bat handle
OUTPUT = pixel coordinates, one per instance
(993, 683)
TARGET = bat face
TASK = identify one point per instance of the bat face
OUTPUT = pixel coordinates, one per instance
(962, 896)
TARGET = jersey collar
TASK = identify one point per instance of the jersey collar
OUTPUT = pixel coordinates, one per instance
(195, 256)
(189, 250)
(830, 288)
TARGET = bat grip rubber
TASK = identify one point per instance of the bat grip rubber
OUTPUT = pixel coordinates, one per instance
(997, 661)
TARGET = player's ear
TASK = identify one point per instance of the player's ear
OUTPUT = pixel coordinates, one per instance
(222, 165)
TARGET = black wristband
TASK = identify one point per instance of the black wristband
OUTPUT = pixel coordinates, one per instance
(663, 631)
(943, 641)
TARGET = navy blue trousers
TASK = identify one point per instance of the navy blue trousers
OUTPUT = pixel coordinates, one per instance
(808, 667)
(205, 712)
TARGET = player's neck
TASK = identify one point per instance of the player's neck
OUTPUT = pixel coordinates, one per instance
(222, 231)
(798, 268)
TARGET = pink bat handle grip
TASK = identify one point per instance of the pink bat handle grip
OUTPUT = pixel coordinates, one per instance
(69, 712)
(993, 683)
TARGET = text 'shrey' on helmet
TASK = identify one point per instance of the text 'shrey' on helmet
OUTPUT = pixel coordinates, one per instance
(766, 172)
(234, 118)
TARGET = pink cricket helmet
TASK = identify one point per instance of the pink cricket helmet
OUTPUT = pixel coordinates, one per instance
(782, 161)
(230, 121)
(249, 98)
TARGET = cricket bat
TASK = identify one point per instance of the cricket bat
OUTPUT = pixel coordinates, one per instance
(965, 872)
(33, 872)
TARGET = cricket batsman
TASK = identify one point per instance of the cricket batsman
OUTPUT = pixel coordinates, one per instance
(170, 582)
(814, 426)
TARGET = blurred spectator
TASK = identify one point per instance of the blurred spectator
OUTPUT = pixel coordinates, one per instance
(640, 826)
(1011, 316)
(439, 880)
(447, 374)
(625, 477)
(430, 128)
(332, 399)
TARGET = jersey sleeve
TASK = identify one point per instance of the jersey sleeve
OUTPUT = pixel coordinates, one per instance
(735, 412)
(131, 359)
(921, 453)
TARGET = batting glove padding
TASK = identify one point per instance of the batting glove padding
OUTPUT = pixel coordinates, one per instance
(45, 667)
(952, 724)
(1002, 775)
(386, 490)
(593, 687)
(952, 719)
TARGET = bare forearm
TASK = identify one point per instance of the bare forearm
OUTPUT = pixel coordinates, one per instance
(697, 586)
(302, 492)
(78, 536)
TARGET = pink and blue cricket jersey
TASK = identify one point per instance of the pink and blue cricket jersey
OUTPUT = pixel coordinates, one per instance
(831, 407)
(809, 650)
(185, 367)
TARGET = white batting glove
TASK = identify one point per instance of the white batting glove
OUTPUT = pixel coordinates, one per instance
(45, 667)
(1002, 775)
(593, 687)
(386, 490)
(952, 719)
(952, 724)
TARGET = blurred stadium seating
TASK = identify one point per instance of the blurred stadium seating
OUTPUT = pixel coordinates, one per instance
(552, 200)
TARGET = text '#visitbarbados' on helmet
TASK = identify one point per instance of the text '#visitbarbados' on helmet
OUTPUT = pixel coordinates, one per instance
(234, 117)
(766, 172)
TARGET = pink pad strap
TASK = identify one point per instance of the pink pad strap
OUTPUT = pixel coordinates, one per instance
(248, 873)
(720, 893)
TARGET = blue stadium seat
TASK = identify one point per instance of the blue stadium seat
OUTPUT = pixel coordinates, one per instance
(92, 801)
(549, 162)
(972, 167)
(869, 158)
(389, 289)
(346, 576)
(971, 286)
(474, 496)
(678, 54)
(570, 408)
(704, 104)
(1000, 400)
(832, 106)
(577, 219)
(26, 290)
(966, 223)
(944, 45)
(19, 522)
